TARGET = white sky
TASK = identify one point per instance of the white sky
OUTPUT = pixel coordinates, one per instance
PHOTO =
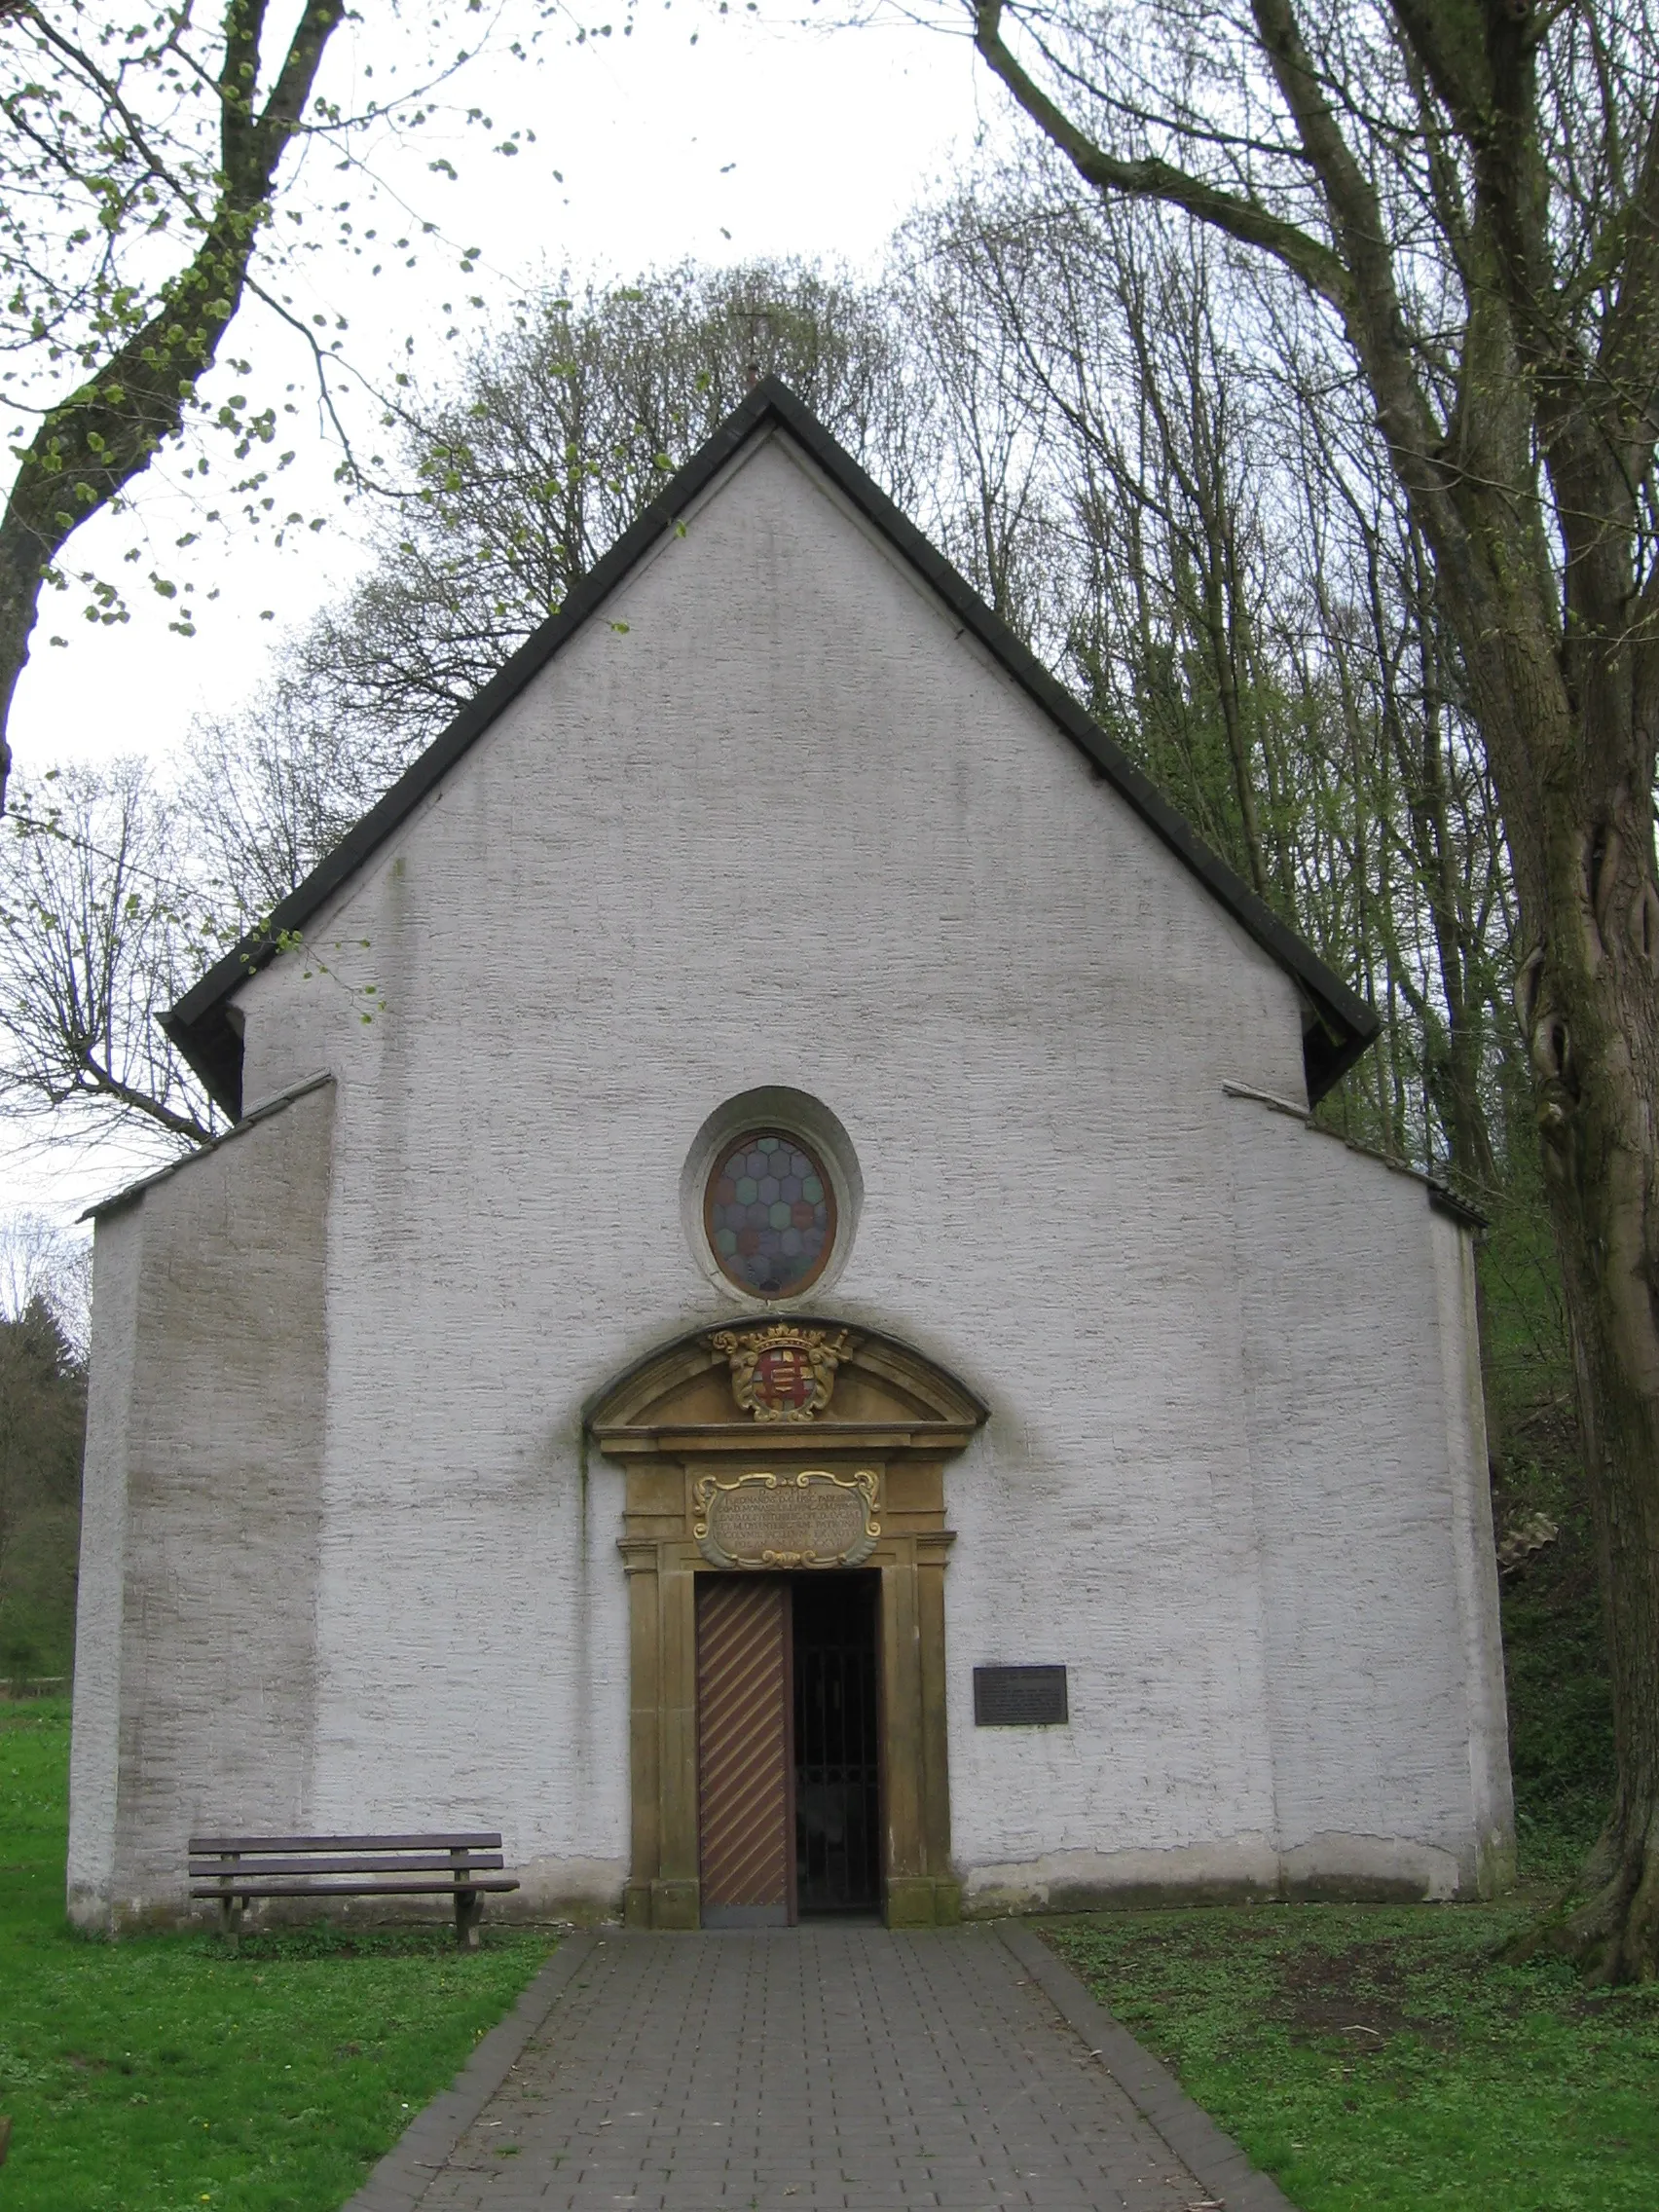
(764, 137)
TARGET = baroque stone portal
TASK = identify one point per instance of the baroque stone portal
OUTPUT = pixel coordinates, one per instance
(829, 1453)
(815, 1518)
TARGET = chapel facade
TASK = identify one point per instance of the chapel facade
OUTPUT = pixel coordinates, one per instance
(808, 1357)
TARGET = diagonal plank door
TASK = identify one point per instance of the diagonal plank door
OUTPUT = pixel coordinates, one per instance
(743, 1751)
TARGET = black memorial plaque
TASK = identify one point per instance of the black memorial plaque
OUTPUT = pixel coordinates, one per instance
(1020, 1697)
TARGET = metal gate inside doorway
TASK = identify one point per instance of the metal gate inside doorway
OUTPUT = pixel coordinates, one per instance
(837, 1750)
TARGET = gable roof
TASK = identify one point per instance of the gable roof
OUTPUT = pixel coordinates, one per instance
(1337, 1024)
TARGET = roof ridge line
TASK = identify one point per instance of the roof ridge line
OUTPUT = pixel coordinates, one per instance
(1342, 1024)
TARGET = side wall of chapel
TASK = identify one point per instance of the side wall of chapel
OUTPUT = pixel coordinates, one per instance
(196, 1665)
(1373, 1511)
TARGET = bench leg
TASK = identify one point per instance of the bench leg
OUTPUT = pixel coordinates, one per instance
(468, 1912)
(231, 1920)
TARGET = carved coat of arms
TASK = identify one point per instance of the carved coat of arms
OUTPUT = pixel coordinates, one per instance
(780, 1372)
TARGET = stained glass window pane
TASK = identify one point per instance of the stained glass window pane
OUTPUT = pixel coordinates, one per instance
(770, 1213)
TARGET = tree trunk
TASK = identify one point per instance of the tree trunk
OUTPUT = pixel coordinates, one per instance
(1519, 444)
(1592, 1013)
(20, 593)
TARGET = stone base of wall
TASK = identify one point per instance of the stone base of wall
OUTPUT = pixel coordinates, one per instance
(586, 1892)
(1328, 1868)
(589, 1892)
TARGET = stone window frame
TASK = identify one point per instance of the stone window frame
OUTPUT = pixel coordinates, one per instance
(773, 1108)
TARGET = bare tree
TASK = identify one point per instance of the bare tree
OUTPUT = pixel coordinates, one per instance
(271, 787)
(101, 930)
(1470, 190)
(990, 500)
(115, 892)
(42, 1260)
(1220, 564)
(520, 472)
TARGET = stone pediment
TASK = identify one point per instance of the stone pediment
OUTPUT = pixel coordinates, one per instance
(773, 1385)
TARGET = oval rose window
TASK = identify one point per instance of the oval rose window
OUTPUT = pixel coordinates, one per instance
(770, 1213)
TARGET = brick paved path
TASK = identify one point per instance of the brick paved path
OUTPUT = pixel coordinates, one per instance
(798, 2070)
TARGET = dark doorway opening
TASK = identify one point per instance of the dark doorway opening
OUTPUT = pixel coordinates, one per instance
(837, 1758)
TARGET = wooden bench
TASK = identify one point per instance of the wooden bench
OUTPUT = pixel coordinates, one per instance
(235, 1868)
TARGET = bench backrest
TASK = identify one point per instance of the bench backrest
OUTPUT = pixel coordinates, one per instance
(297, 1843)
(427, 1861)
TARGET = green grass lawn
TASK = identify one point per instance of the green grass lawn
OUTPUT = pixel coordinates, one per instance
(157, 2074)
(1381, 2059)
(1374, 2059)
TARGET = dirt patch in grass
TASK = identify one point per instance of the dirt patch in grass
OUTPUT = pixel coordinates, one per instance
(1357, 1992)
(1387, 2058)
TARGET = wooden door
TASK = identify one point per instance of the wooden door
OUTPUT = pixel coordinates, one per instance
(745, 1769)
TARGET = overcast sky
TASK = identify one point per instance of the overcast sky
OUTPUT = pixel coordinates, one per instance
(764, 138)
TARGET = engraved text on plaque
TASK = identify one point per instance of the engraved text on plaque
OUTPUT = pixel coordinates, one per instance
(813, 1519)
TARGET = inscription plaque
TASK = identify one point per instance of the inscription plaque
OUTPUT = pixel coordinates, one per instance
(1020, 1697)
(813, 1519)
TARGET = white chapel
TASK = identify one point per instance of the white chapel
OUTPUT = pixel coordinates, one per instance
(809, 1358)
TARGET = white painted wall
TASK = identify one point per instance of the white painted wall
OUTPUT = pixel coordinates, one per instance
(99, 1597)
(199, 1546)
(1368, 1448)
(771, 819)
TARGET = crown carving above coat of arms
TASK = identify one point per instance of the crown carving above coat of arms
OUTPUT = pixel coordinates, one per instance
(781, 1372)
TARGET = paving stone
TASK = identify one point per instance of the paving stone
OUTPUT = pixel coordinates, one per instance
(817, 2069)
